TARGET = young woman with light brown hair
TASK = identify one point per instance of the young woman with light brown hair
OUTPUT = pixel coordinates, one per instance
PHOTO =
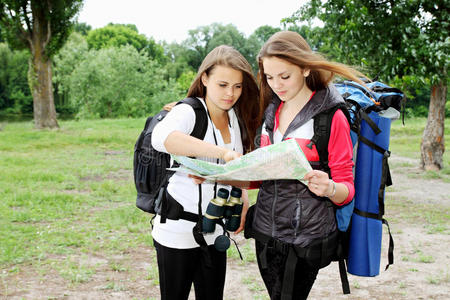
(228, 91)
(291, 218)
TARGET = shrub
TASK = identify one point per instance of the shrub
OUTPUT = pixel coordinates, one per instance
(119, 82)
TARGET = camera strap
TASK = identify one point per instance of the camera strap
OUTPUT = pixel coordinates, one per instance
(197, 231)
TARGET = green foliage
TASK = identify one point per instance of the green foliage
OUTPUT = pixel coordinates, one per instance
(391, 39)
(177, 60)
(205, 38)
(447, 108)
(55, 19)
(116, 35)
(82, 28)
(417, 91)
(394, 38)
(61, 14)
(69, 57)
(155, 51)
(15, 94)
(115, 82)
(176, 65)
(185, 80)
(255, 41)
(263, 33)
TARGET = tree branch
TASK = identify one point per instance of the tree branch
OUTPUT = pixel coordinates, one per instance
(29, 34)
(49, 35)
(17, 23)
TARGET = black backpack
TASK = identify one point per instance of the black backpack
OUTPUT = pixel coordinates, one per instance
(150, 166)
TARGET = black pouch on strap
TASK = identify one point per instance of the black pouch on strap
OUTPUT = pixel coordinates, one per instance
(321, 252)
(248, 227)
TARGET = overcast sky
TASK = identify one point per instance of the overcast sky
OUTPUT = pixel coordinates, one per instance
(170, 20)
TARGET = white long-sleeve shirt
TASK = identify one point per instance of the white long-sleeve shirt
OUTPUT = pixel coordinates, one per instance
(178, 233)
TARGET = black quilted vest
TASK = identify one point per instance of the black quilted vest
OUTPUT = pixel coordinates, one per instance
(285, 209)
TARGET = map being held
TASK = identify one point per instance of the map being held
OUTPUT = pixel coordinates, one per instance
(284, 160)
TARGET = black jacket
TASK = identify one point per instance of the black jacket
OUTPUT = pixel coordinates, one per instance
(286, 209)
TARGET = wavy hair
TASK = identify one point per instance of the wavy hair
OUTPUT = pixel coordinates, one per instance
(292, 47)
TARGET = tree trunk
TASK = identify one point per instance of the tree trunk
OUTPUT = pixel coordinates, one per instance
(40, 78)
(432, 146)
(40, 73)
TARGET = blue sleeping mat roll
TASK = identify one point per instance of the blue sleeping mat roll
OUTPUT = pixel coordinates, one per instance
(366, 233)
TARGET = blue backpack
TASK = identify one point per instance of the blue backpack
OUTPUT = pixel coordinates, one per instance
(369, 113)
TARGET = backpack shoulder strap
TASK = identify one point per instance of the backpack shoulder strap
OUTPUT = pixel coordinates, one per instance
(201, 119)
(140, 140)
(199, 131)
(322, 130)
(321, 137)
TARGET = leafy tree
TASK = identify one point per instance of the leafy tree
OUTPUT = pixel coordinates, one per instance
(395, 38)
(177, 59)
(226, 35)
(116, 82)
(255, 41)
(205, 38)
(185, 80)
(82, 28)
(5, 58)
(116, 35)
(263, 33)
(15, 94)
(42, 27)
(65, 62)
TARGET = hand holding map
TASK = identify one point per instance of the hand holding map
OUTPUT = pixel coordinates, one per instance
(284, 160)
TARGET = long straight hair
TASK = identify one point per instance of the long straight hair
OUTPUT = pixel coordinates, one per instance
(247, 107)
(292, 47)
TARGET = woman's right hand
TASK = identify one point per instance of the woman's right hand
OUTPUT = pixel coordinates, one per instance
(230, 155)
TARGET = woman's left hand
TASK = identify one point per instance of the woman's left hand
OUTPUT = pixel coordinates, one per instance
(244, 211)
(169, 106)
(319, 183)
(196, 179)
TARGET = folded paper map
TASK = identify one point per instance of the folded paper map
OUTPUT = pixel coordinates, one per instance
(283, 160)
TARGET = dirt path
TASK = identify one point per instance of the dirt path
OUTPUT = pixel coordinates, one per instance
(421, 269)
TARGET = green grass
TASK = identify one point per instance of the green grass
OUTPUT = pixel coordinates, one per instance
(405, 141)
(247, 252)
(435, 218)
(253, 284)
(69, 193)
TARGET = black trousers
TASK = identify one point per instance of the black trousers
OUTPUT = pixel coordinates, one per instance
(273, 274)
(179, 268)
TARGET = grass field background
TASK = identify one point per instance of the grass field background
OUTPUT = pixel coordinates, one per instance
(71, 192)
